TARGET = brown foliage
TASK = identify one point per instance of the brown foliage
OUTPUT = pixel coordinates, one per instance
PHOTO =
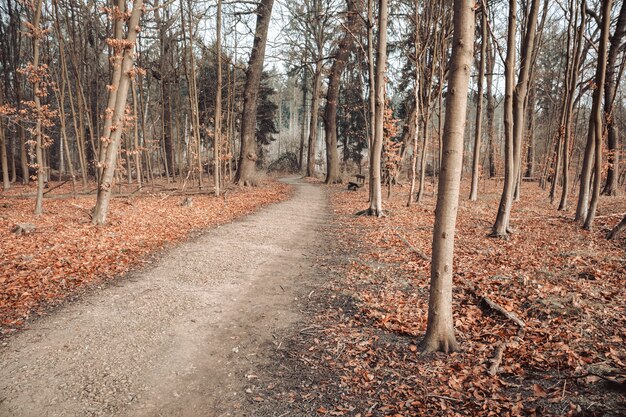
(566, 285)
(66, 252)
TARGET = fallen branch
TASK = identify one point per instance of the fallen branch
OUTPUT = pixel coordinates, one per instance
(497, 307)
(56, 186)
(89, 212)
(413, 248)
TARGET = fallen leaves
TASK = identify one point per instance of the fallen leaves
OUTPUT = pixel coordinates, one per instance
(565, 286)
(65, 252)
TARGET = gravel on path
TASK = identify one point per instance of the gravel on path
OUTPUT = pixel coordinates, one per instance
(182, 338)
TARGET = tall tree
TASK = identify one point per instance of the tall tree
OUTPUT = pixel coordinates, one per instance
(515, 106)
(376, 198)
(248, 155)
(35, 76)
(217, 135)
(610, 90)
(440, 328)
(479, 108)
(596, 127)
(344, 47)
(124, 57)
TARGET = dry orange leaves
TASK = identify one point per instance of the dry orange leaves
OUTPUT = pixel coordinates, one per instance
(66, 252)
(566, 284)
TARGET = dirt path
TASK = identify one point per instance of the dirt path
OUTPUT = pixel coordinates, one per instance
(182, 338)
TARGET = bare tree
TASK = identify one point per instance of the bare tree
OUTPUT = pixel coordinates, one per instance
(610, 90)
(596, 128)
(124, 53)
(344, 47)
(515, 106)
(248, 155)
(440, 329)
(376, 203)
(479, 108)
(217, 135)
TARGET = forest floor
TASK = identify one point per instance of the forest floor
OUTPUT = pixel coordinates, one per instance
(304, 309)
(358, 355)
(183, 336)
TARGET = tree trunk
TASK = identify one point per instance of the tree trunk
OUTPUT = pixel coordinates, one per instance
(440, 329)
(596, 111)
(6, 183)
(571, 84)
(501, 225)
(515, 110)
(610, 90)
(247, 159)
(217, 142)
(333, 175)
(617, 229)
(491, 110)
(113, 142)
(113, 90)
(38, 126)
(303, 132)
(376, 199)
(479, 109)
(313, 123)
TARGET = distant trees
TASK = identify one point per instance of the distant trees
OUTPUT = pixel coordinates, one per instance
(201, 110)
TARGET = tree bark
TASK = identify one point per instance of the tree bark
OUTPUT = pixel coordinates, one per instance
(610, 90)
(515, 112)
(479, 110)
(596, 111)
(217, 142)
(36, 36)
(440, 328)
(248, 155)
(571, 85)
(491, 110)
(313, 123)
(376, 203)
(104, 196)
(333, 175)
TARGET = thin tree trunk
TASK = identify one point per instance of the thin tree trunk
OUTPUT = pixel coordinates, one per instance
(375, 208)
(303, 124)
(313, 123)
(36, 36)
(217, 142)
(440, 328)
(572, 84)
(479, 110)
(491, 110)
(6, 183)
(515, 112)
(105, 188)
(596, 112)
(415, 119)
(501, 225)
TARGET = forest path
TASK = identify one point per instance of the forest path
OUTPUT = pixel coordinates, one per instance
(181, 338)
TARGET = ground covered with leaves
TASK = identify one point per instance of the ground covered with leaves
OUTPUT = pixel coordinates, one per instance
(66, 253)
(566, 355)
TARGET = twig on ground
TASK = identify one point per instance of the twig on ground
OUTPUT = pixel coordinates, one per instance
(413, 248)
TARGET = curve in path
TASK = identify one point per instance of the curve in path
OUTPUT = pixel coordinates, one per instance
(180, 339)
